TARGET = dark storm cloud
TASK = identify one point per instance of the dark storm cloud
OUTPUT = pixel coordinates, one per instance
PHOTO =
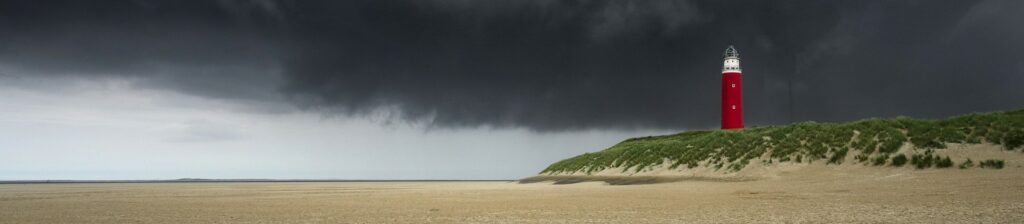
(546, 65)
(209, 48)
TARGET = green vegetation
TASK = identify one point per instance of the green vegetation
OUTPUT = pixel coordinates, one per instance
(944, 163)
(992, 163)
(838, 156)
(967, 164)
(805, 142)
(880, 159)
(925, 160)
(899, 160)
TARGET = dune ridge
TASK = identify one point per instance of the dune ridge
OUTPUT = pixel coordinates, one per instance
(971, 141)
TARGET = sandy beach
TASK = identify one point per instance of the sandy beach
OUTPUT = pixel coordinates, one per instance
(813, 195)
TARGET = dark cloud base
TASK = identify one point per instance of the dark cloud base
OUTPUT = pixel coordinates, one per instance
(545, 65)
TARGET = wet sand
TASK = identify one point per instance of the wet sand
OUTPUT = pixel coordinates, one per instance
(818, 195)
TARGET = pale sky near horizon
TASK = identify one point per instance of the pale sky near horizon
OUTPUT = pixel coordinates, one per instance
(113, 129)
(460, 89)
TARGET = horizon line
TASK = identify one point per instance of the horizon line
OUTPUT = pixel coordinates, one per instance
(202, 180)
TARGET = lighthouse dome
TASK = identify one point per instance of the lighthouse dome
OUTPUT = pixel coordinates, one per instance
(731, 52)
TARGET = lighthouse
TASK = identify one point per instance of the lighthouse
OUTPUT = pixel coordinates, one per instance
(732, 86)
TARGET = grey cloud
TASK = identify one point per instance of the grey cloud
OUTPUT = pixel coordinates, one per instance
(245, 9)
(543, 65)
(628, 17)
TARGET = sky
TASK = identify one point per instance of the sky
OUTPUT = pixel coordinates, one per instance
(460, 89)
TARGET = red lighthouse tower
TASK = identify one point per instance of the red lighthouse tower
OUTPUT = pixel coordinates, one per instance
(732, 94)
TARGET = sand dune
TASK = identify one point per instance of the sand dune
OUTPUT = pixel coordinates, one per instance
(758, 170)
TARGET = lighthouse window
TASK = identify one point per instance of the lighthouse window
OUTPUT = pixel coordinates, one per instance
(734, 85)
(733, 107)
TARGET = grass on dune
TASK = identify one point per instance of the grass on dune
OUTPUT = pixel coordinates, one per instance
(874, 140)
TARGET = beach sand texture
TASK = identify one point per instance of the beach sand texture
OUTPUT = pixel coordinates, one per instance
(815, 194)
